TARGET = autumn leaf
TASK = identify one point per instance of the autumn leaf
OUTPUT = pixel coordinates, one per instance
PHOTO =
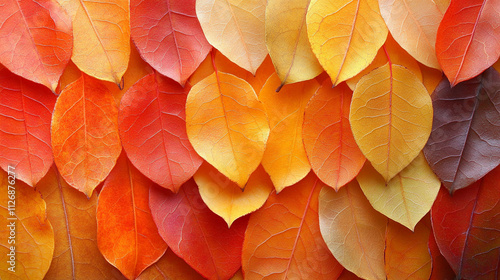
(130, 243)
(101, 36)
(353, 230)
(25, 114)
(169, 36)
(414, 25)
(465, 139)
(85, 138)
(328, 140)
(466, 227)
(430, 77)
(406, 253)
(73, 217)
(287, 41)
(283, 239)
(407, 197)
(345, 35)
(347, 275)
(170, 267)
(227, 125)
(391, 118)
(28, 237)
(465, 34)
(441, 270)
(226, 199)
(397, 55)
(153, 131)
(195, 233)
(285, 158)
(36, 40)
(236, 29)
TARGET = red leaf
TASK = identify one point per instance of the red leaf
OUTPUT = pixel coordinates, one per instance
(468, 38)
(441, 270)
(153, 130)
(466, 228)
(195, 233)
(169, 36)
(130, 242)
(36, 39)
(25, 114)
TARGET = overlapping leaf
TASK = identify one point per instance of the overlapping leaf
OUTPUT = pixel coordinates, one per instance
(85, 138)
(465, 139)
(353, 230)
(101, 37)
(414, 25)
(283, 239)
(406, 252)
(170, 267)
(73, 216)
(28, 237)
(153, 131)
(330, 146)
(285, 158)
(131, 243)
(345, 35)
(441, 270)
(226, 199)
(468, 39)
(466, 227)
(227, 125)
(391, 118)
(25, 114)
(235, 28)
(287, 41)
(195, 233)
(169, 36)
(407, 197)
(35, 40)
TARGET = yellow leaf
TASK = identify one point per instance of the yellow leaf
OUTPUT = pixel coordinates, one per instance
(287, 42)
(391, 118)
(236, 29)
(227, 125)
(345, 35)
(397, 55)
(101, 36)
(285, 157)
(407, 197)
(226, 199)
(414, 24)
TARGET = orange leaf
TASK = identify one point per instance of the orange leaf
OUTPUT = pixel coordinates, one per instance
(101, 37)
(195, 233)
(170, 267)
(169, 36)
(227, 125)
(430, 77)
(236, 29)
(153, 131)
(406, 253)
(27, 235)
(73, 217)
(353, 230)
(283, 239)
(36, 40)
(226, 199)
(130, 243)
(328, 140)
(414, 25)
(466, 33)
(285, 157)
(347, 275)
(85, 137)
(25, 114)
(345, 35)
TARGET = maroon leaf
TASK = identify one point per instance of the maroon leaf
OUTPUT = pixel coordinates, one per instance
(465, 141)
